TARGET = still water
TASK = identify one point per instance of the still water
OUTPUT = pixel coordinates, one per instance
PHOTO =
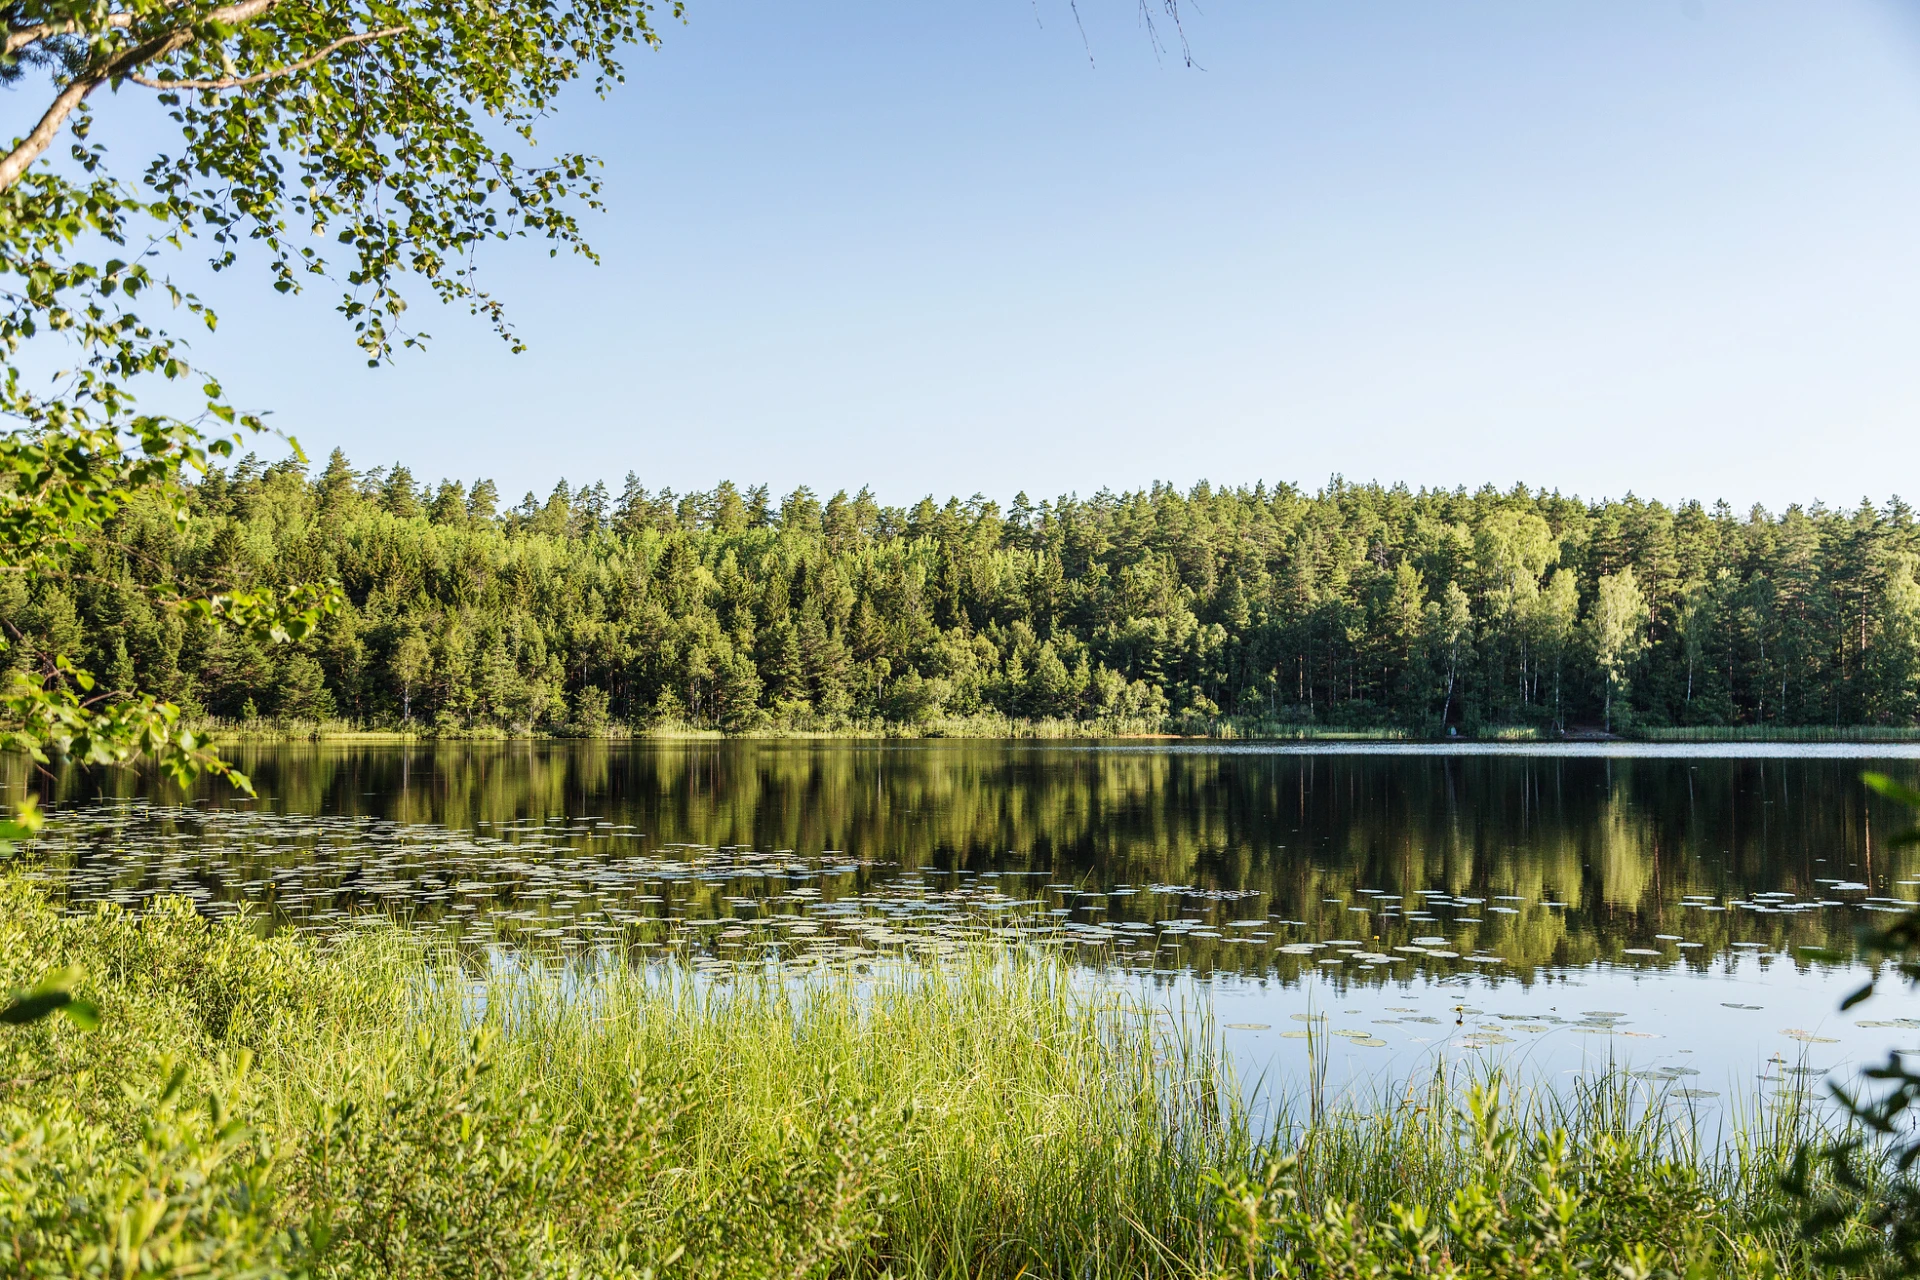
(1553, 909)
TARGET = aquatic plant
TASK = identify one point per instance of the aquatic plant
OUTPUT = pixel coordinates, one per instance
(255, 1105)
(1532, 1204)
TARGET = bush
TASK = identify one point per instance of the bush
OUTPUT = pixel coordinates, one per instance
(193, 1193)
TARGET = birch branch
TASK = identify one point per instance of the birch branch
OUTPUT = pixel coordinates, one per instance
(31, 147)
(19, 38)
(241, 82)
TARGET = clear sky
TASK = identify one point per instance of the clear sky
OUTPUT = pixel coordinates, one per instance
(1667, 246)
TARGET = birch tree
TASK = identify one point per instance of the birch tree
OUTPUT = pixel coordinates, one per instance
(362, 143)
(1449, 627)
(1617, 626)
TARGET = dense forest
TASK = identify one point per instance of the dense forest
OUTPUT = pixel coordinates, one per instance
(1227, 610)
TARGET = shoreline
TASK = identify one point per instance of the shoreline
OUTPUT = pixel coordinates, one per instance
(1021, 731)
(981, 1117)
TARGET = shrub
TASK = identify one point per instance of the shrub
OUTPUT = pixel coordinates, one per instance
(193, 1193)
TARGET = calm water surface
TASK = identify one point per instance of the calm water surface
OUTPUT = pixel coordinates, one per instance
(1552, 908)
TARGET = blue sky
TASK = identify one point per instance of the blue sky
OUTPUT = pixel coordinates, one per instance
(1671, 246)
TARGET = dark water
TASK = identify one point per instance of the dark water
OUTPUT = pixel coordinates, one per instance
(1659, 904)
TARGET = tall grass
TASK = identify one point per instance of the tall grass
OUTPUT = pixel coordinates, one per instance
(1409, 1146)
(416, 1112)
(1780, 733)
(1024, 1130)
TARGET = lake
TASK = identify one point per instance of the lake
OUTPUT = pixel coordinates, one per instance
(1553, 908)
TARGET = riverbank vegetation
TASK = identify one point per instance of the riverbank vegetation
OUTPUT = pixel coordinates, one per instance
(1246, 612)
(265, 1106)
(990, 727)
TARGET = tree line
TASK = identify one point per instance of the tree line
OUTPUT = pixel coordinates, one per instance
(1260, 608)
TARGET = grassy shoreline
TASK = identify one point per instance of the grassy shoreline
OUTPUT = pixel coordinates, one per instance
(983, 728)
(223, 732)
(381, 1109)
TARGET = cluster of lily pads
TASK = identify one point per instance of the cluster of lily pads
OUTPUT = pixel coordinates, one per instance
(569, 881)
(581, 885)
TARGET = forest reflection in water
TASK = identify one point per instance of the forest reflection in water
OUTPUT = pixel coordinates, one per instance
(1666, 908)
(1536, 859)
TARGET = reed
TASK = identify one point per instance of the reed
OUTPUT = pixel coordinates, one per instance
(1411, 1145)
(417, 1112)
(1780, 733)
(1009, 1125)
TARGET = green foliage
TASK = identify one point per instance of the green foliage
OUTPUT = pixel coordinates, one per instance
(299, 125)
(189, 1193)
(52, 994)
(121, 1154)
(1618, 623)
(1870, 1172)
(1531, 1208)
(25, 822)
(60, 489)
(372, 130)
(374, 1110)
(1233, 612)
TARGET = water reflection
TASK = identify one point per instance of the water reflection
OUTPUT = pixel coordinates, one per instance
(1554, 910)
(1247, 861)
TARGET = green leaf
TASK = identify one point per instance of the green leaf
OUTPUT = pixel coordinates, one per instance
(54, 994)
(1897, 792)
(33, 1006)
(82, 1013)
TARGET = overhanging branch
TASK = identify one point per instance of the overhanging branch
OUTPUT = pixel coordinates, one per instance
(19, 38)
(241, 82)
(113, 67)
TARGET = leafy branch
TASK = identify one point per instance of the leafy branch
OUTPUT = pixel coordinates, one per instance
(1867, 1215)
(244, 82)
(379, 127)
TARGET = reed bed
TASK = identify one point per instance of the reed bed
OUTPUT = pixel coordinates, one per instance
(1779, 733)
(1413, 1146)
(414, 1112)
